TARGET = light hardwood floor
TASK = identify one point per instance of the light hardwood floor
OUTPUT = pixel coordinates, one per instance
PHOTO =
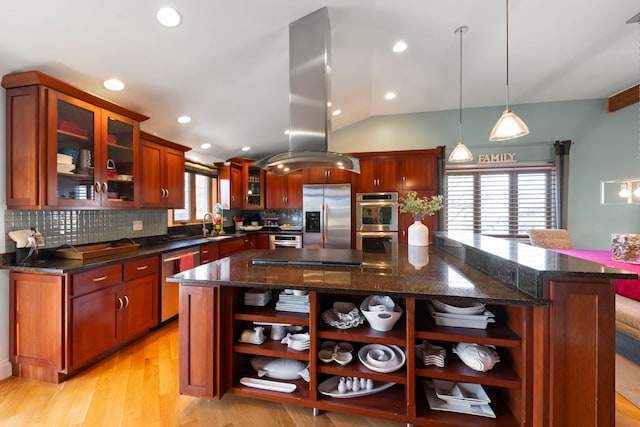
(137, 387)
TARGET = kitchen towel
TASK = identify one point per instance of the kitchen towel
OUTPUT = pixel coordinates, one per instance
(186, 262)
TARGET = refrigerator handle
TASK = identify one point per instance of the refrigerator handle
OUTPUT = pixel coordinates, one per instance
(325, 215)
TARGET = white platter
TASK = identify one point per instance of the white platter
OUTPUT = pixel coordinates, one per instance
(268, 385)
(471, 308)
(400, 356)
(437, 404)
(482, 316)
(251, 227)
(329, 387)
(461, 393)
(474, 322)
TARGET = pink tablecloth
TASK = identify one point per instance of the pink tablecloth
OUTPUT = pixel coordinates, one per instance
(627, 288)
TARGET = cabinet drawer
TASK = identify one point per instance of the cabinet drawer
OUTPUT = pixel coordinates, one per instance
(92, 280)
(140, 268)
(228, 247)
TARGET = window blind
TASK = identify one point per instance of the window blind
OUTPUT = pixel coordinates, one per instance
(502, 202)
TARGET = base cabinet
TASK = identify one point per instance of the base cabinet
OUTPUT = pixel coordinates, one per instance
(212, 364)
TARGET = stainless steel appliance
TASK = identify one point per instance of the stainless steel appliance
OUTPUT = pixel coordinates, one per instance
(327, 216)
(379, 248)
(285, 241)
(377, 211)
(172, 263)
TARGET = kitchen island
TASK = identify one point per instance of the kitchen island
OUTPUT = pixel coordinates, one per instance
(554, 331)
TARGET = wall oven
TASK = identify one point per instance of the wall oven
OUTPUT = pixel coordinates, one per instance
(285, 241)
(379, 248)
(376, 212)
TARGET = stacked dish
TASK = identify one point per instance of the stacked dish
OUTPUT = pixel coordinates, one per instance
(293, 300)
(298, 342)
(257, 297)
(465, 398)
(431, 354)
(381, 312)
(473, 315)
(343, 315)
(382, 358)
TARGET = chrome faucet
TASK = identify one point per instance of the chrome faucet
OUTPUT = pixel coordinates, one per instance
(204, 225)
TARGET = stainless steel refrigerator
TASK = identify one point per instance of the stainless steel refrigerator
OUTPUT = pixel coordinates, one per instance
(327, 216)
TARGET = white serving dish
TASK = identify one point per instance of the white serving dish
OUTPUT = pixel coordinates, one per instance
(480, 322)
(329, 387)
(459, 308)
(384, 314)
(268, 385)
(251, 227)
(461, 393)
(400, 358)
(280, 368)
(437, 404)
(435, 313)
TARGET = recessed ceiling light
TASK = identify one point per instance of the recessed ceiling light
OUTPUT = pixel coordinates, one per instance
(168, 17)
(184, 119)
(247, 148)
(336, 112)
(400, 46)
(113, 84)
(280, 166)
(390, 95)
(205, 145)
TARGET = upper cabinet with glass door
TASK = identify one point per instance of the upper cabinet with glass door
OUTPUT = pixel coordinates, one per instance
(66, 147)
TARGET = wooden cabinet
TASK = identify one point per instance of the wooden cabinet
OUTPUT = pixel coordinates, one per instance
(284, 191)
(254, 187)
(261, 241)
(376, 174)
(161, 172)
(209, 252)
(420, 172)
(326, 176)
(62, 323)
(235, 245)
(207, 373)
(67, 148)
(230, 177)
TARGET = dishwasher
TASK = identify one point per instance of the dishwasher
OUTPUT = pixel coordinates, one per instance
(172, 263)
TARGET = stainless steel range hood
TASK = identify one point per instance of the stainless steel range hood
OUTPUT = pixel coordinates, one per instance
(309, 89)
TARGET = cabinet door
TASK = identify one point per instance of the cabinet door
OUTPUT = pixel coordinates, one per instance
(419, 172)
(119, 155)
(140, 306)
(230, 185)
(94, 324)
(276, 190)
(314, 175)
(151, 175)
(376, 175)
(174, 178)
(74, 152)
(254, 179)
(293, 196)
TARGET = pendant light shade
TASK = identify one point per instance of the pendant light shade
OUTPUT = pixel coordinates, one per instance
(509, 125)
(460, 153)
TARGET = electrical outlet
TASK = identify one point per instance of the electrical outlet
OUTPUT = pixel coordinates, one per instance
(137, 225)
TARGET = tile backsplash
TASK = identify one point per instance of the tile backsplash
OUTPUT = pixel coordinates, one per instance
(77, 227)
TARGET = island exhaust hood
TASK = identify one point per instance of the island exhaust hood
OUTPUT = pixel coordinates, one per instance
(309, 89)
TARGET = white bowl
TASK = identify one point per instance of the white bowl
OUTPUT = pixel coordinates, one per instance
(381, 356)
(459, 308)
(381, 320)
(398, 362)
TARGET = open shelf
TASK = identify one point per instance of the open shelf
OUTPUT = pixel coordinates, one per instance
(271, 348)
(496, 333)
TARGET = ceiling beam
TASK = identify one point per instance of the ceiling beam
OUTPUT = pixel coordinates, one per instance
(623, 99)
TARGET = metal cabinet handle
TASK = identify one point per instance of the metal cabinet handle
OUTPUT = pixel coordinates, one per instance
(96, 187)
(120, 304)
(142, 267)
(105, 187)
(204, 252)
(99, 279)
(126, 300)
(166, 192)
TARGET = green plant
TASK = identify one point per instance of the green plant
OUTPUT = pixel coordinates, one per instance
(419, 207)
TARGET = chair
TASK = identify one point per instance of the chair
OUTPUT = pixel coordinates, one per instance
(550, 239)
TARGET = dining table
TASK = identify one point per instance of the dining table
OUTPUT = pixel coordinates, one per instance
(629, 288)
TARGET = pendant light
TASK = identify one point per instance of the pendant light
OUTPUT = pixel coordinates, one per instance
(460, 153)
(509, 125)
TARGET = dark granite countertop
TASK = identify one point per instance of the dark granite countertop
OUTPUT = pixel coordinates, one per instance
(52, 265)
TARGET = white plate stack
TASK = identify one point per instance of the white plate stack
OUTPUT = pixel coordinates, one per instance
(65, 163)
(473, 315)
(257, 297)
(298, 342)
(464, 398)
(431, 354)
(293, 300)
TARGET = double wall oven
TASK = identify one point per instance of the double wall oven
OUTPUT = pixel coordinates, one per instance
(377, 228)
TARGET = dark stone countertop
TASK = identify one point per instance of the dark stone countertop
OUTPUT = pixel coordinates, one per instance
(49, 264)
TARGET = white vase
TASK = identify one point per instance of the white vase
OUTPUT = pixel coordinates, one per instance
(418, 234)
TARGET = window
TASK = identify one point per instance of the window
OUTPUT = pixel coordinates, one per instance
(200, 194)
(501, 202)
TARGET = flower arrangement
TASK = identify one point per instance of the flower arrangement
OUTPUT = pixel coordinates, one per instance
(419, 207)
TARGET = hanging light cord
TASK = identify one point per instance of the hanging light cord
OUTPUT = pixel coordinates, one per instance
(507, 1)
(461, 30)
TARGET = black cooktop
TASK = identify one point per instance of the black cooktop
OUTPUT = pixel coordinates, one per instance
(308, 256)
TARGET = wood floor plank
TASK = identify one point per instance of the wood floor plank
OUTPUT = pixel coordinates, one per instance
(138, 387)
